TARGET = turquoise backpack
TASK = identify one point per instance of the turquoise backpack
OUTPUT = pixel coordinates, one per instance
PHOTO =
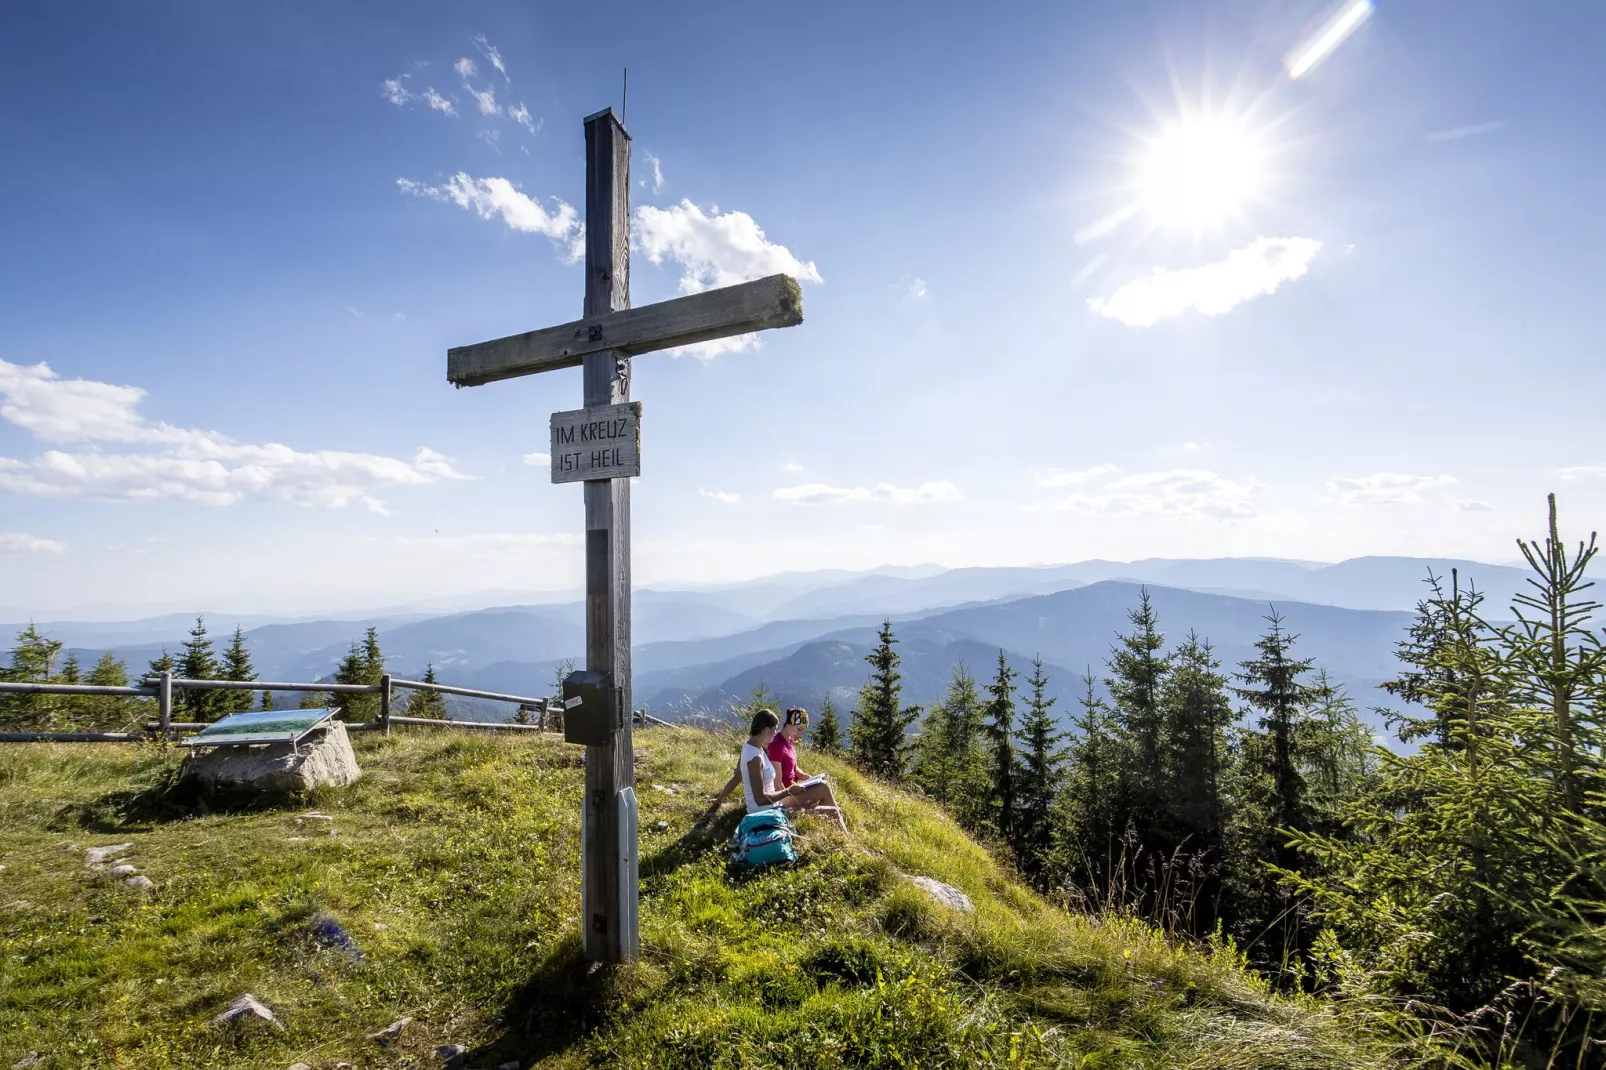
(762, 839)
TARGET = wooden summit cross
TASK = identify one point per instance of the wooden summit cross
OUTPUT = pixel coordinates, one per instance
(600, 444)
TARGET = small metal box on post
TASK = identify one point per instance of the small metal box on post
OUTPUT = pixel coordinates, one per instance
(590, 708)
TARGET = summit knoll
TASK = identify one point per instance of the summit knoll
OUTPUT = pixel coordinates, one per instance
(442, 888)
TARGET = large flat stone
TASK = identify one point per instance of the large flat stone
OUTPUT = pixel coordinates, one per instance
(324, 757)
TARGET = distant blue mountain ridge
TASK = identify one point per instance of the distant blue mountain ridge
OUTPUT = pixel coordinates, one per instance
(804, 634)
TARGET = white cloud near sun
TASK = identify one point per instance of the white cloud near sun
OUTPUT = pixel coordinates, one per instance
(715, 249)
(941, 490)
(167, 462)
(724, 497)
(1256, 270)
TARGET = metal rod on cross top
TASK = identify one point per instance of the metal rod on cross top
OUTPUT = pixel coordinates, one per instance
(601, 446)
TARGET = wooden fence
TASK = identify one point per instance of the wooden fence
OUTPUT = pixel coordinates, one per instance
(161, 688)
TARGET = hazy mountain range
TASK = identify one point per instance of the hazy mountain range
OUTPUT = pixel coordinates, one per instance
(805, 634)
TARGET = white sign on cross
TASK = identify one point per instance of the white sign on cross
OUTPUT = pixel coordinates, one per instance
(601, 446)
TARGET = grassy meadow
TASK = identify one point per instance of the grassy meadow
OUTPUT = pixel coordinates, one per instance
(451, 869)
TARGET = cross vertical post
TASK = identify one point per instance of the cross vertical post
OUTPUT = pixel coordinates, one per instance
(600, 446)
(609, 902)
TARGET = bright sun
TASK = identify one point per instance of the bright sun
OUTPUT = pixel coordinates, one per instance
(1197, 172)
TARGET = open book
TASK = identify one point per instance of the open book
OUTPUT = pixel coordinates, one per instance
(810, 782)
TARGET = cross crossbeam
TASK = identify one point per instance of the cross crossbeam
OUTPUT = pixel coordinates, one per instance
(776, 301)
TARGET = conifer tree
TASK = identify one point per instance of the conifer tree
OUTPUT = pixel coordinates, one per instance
(1274, 689)
(1089, 834)
(197, 662)
(364, 663)
(1560, 658)
(827, 734)
(1000, 728)
(69, 669)
(1138, 672)
(879, 733)
(236, 665)
(431, 704)
(267, 701)
(110, 712)
(33, 661)
(950, 763)
(1038, 780)
(1196, 713)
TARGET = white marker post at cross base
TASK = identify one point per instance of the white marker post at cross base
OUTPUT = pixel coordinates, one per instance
(601, 446)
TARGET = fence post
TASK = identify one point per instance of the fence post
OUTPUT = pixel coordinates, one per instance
(384, 702)
(164, 703)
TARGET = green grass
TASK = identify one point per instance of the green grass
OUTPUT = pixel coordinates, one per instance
(454, 868)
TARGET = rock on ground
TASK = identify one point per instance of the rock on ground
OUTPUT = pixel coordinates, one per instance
(324, 757)
(391, 1031)
(247, 1009)
(124, 870)
(33, 1058)
(97, 856)
(451, 1054)
(140, 882)
(946, 894)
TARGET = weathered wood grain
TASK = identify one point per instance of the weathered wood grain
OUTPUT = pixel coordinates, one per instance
(608, 903)
(776, 301)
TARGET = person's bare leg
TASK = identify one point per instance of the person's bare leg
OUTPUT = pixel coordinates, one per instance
(821, 797)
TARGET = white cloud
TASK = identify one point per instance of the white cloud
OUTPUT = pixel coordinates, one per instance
(15, 542)
(791, 466)
(521, 115)
(1387, 488)
(491, 55)
(657, 173)
(715, 250)
(497, 198)
(942, 490)
(395, 92)
(1088, 270)
(1214, 289)
(1193, 447)
(493, 540)
(464, 67)
(486, 99)
(537, 460)
(724, 497)
(916, 288)
(1180, 492)
(1456, 133)
(177, 463)
(438, 102)
(1056, 477)
(491, 137)
(1583, 471)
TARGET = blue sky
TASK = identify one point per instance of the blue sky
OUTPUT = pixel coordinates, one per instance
(241, 240)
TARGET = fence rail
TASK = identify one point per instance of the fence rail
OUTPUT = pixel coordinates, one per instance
(160, 687)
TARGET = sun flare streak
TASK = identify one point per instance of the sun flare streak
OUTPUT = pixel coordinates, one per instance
(1333, 33)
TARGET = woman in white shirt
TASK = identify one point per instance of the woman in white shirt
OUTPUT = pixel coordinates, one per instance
(757, 771)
